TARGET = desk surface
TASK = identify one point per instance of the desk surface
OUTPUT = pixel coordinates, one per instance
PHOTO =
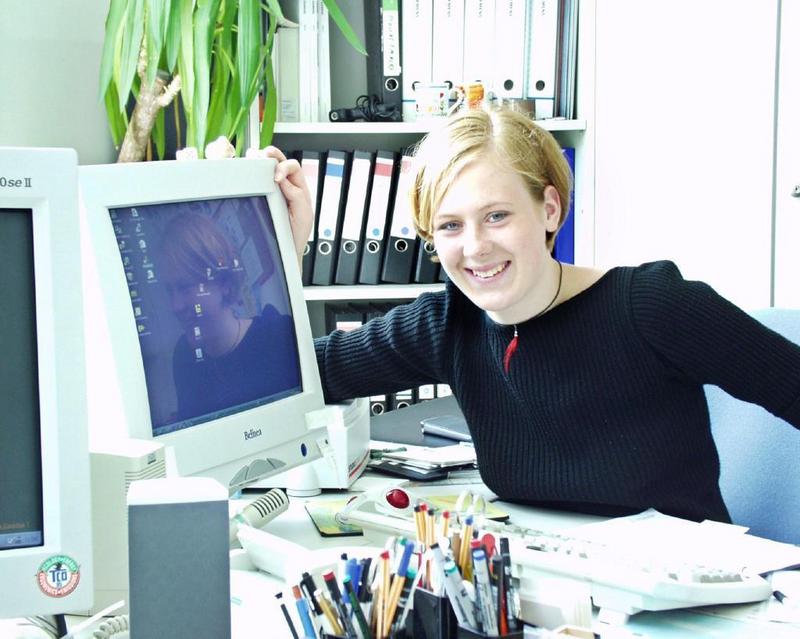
(731, 622)
(254, 609)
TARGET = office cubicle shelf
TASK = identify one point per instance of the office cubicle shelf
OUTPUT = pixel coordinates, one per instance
(368, 292)
(419, 127)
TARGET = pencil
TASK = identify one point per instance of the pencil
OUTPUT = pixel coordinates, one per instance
(430, 529)
(418, 523)
(464, 548)
(384, 593)
(397, 586)
(329, 614)
(445, 523)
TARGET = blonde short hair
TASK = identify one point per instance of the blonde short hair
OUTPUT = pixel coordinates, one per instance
(511, 136)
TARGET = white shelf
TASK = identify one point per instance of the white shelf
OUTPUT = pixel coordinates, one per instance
(388, 128)
(368, 292)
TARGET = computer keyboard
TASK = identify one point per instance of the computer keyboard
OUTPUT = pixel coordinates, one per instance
(622, 580)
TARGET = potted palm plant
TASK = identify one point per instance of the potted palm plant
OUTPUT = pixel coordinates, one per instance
(211, 56)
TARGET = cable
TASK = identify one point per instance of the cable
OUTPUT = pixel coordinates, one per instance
(368, 108)
(111, 627)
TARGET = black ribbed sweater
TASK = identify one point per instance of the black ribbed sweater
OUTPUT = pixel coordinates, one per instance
(603, 407)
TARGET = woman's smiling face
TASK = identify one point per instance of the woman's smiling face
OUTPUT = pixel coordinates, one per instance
(490, 236)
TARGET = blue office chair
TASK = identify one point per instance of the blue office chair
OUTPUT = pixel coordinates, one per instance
(760, 464)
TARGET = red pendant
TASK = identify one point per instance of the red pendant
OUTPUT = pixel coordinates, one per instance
(510, 349)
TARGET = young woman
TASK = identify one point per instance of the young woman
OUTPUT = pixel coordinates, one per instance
(583, 389)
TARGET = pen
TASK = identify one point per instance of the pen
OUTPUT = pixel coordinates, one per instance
(502, 619)
(342, 568)
(779, 595)
(483, 592)
(279, 597)
(359, 613)
(336, 596)
(302, 612)
(511, 601)
(308, 587)
(329, 614)
(462, 607)
(458, 593)
(379, 453)
(363, 587)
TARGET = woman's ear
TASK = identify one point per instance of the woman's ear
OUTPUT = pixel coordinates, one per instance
(552, 208)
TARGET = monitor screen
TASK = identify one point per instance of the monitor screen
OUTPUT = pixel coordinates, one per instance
(21, 518)
(204, 343)
(211, 306)
(46, 563)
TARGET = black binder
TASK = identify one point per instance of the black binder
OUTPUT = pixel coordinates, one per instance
(313, 164)
(401, 245)
(331, 209)
(382, 39)
(355, 217)
(426, 271)
(384, 183)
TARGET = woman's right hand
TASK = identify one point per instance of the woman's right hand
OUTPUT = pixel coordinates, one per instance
(292, 182)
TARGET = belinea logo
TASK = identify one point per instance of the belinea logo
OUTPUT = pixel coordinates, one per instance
(252, 433)
(15, 183)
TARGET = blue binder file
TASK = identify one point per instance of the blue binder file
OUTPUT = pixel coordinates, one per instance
(564, 249)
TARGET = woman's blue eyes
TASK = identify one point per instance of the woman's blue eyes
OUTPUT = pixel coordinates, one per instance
(491, 218)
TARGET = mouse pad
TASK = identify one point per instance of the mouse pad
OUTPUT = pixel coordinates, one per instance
(323, 514)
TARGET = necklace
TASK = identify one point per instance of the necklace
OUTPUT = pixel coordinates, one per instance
(512, 345)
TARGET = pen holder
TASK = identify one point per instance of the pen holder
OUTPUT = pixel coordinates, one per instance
(432, 617)
(469, 633)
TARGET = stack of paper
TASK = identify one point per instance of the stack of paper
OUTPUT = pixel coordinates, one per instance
(420, 462)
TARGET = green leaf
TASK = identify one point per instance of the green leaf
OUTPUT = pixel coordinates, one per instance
(116, 12)
(186, 65)
(117, 119)
(344, 26)
(220, 88)
(131, 46)
(204, 24)
(156, 12)
(270, 108)
(173, 37)
(158, 134)
(247, 46)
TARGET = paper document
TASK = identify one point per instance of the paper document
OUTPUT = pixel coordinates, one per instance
(709, 543)
(455, 455)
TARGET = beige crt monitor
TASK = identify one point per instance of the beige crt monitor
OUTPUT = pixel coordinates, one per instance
(204, 344)
(45, 503)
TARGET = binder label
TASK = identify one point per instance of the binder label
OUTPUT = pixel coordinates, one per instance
(390, 33)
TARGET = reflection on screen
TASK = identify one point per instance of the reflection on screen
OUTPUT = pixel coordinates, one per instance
(211, 307)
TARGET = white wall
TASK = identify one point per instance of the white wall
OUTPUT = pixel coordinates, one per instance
(787, 206)
(49, 63)
(684, 105)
